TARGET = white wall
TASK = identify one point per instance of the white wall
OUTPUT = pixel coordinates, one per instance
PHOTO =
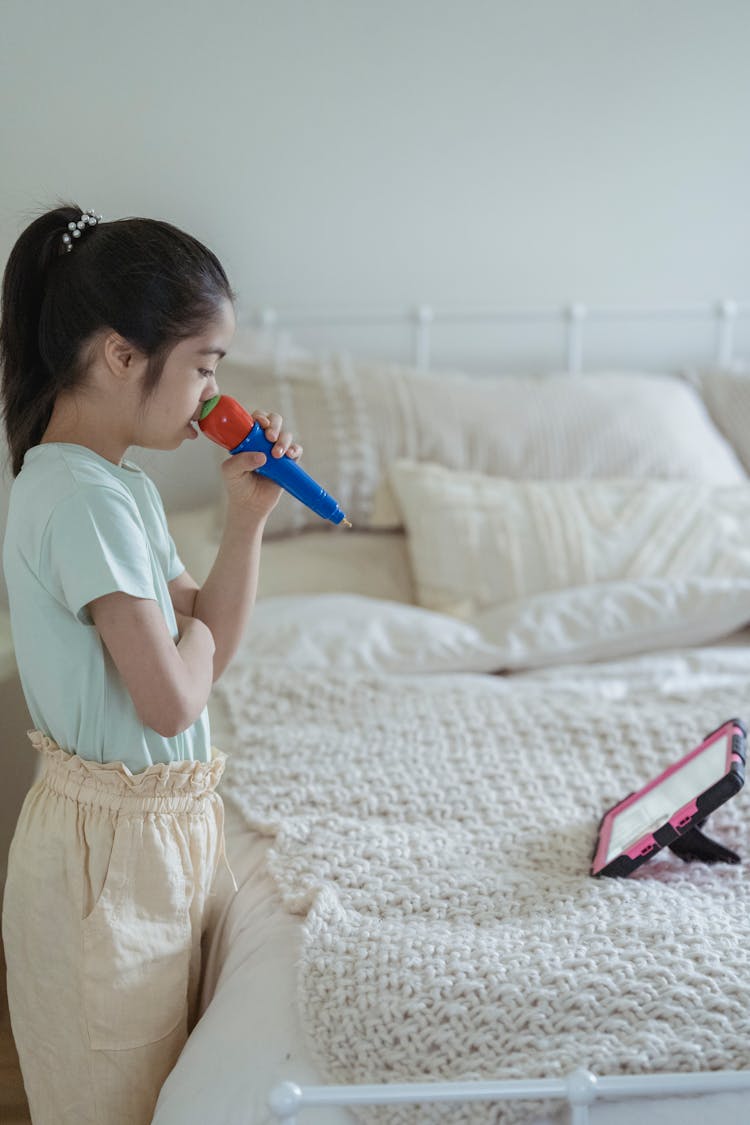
(392, 148)
(396, 150)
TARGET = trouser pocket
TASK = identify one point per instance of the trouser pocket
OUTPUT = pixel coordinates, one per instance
(137, 940)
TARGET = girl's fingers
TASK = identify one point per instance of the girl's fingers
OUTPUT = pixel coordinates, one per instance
(271, 423)
(282, 439)
(283, 443)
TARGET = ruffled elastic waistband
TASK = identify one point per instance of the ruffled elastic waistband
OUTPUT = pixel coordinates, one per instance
(171, 784)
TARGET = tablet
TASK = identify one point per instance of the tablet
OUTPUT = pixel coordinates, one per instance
(668, 811)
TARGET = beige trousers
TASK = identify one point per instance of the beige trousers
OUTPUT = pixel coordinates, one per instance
(105, 905)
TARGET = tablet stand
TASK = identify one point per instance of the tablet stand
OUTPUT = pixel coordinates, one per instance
(694, 845)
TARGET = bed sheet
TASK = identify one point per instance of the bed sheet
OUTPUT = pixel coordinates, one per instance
(249, 1037)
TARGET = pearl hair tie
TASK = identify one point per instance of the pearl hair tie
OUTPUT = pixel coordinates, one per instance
(88, 219)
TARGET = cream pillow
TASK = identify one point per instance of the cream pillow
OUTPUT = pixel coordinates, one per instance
(355, 418)
(371, 563)
(196, 540)
(477, 542)
(727, 397)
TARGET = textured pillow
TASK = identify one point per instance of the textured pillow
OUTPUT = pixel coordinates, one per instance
(726, 394)
(477, 541)
(355, 418)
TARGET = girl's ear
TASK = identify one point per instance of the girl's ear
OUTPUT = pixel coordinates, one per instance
(122, 358)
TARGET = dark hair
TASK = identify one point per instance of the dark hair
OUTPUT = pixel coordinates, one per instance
(149, 281)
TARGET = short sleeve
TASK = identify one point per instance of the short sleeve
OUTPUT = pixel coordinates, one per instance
(95, 544)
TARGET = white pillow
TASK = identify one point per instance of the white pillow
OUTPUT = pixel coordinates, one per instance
(578, 570)
(355, 418)
(614, 619)
(349, 633)
(352, 633)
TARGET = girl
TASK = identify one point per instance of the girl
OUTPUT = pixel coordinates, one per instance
(110, 336)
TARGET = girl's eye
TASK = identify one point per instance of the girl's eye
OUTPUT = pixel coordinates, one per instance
(202, 371)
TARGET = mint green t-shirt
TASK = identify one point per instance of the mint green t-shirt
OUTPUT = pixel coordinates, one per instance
(80, 527)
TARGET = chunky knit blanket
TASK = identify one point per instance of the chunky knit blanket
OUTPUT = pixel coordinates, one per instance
(437, 833)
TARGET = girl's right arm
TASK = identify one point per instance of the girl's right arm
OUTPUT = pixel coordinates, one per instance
(169, 683)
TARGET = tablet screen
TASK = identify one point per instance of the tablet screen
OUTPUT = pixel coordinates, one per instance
(657, 803)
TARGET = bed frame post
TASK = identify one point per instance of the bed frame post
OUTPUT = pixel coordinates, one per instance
(423, 318)
(284, 1100)
(575, 315)
(581, 1092)
(726, 314)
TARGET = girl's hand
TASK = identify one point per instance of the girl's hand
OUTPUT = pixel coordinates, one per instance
(248, 492)
(185, 623)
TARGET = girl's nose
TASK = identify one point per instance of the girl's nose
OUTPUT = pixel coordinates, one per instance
(211, 389)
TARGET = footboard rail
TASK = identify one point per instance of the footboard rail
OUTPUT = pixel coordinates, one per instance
(580, 1089)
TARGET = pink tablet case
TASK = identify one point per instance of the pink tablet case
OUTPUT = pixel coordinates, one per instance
(680, 830)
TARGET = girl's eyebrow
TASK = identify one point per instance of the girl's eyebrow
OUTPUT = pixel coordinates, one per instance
(212, 351)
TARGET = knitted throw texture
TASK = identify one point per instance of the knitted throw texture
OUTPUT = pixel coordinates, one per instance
(436, 832)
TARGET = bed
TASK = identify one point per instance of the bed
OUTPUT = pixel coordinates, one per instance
(544, 601)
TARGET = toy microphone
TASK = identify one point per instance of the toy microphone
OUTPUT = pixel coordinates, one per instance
(227, 423)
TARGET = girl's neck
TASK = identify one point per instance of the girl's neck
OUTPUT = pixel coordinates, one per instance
(79, 429)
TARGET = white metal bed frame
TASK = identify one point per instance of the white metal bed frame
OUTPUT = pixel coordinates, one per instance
(720, 316)
(581, 1088)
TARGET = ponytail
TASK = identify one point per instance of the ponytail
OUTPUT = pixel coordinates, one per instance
(29, 386)
(149, 281)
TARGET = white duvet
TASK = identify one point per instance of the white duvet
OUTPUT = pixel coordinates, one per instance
(250, 1035)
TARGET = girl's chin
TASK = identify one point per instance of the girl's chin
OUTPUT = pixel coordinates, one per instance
(192, 430)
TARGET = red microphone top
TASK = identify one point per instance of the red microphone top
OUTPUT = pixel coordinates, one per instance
(225, 421)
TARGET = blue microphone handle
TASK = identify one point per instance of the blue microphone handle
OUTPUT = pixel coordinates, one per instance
(291, 477)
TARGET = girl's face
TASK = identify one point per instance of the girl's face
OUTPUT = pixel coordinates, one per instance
(187, 381)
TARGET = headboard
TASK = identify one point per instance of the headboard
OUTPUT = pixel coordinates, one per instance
(571, 336)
